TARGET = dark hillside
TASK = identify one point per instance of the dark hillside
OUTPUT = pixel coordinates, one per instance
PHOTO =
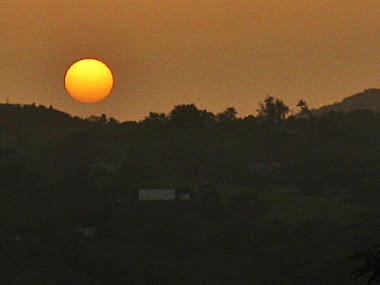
(272, 197)
(29, 124)
(367, 100)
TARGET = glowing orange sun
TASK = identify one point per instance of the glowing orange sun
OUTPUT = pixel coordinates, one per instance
(89, 80)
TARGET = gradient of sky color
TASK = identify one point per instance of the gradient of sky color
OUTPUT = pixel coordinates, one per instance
(214, 54)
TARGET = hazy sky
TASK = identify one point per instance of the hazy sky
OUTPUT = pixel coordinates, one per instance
(215, 54)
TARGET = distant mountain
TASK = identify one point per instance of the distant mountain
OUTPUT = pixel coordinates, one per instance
(367, 100)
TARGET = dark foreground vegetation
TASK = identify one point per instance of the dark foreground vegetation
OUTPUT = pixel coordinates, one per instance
(275, 199)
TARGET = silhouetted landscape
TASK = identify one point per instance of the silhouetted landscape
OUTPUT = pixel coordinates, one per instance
(269, 198)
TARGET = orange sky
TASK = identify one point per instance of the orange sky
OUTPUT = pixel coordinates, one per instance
(215, 54)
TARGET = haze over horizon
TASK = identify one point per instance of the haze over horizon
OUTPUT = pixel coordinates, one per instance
(214, 54)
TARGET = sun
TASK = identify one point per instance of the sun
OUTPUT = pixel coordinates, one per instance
(89, 80)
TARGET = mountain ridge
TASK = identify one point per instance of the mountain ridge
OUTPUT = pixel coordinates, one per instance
(369, 99)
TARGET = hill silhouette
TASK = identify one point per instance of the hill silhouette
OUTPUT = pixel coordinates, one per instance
(34, 124)
(369, 99)
(189, 142)
(269, 193)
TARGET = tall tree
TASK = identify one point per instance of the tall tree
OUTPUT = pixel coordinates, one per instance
(227, 115)
(208, 118)
(186, 117)
(273, 110)
(304, 108)
(155, 119)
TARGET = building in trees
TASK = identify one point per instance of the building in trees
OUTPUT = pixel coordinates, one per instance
(265, 170)
(151, 194)
(154, 194)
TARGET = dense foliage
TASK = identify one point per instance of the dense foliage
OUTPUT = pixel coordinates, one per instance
(370, 266)
(61, 173)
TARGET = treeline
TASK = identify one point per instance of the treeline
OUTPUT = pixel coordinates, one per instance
(313, 151)
(59, 173)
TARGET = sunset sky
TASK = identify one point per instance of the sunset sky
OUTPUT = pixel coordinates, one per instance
(214, 54)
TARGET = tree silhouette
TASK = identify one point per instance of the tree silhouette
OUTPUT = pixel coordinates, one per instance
(371, 264)
(187, 117)
(227, 115)
(155, 119)
(273, 110)
(304, 108)
(208, 118)
(98, 119)
(112, 121)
